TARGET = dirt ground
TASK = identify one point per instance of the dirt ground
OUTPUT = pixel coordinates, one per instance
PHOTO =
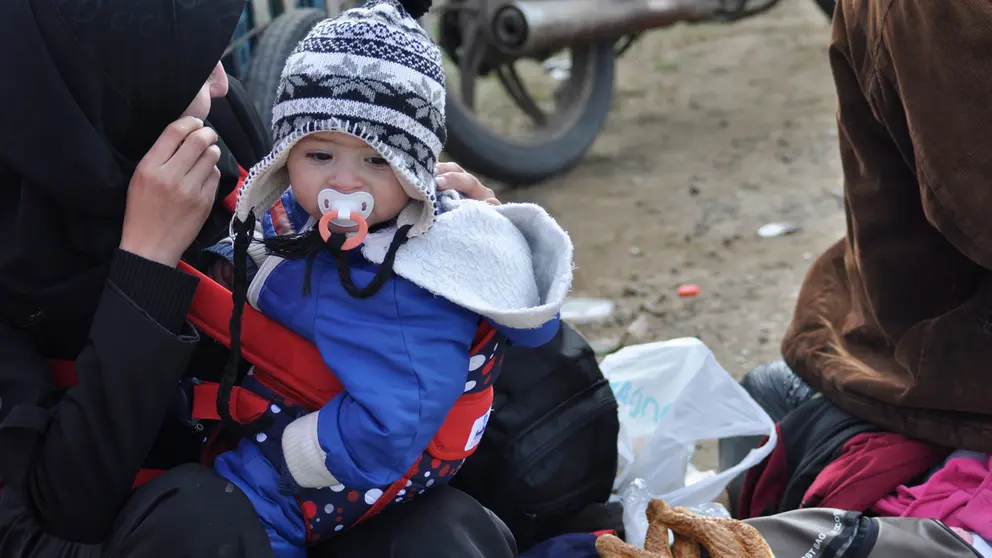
(715, 131)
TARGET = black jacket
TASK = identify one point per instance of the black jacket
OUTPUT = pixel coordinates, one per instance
(97, 83)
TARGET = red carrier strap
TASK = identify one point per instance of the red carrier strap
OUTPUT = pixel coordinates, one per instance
(63, 372)
(461, 423)
(245, 405)
(284, 362)
(231, 200)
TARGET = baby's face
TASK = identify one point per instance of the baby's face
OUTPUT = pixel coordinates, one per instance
(346, 164)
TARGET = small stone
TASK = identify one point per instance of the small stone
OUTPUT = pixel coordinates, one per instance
(653, 309)
(604, 346)
(772, 230)
(587, 310)
(638, 329)
(689, 290)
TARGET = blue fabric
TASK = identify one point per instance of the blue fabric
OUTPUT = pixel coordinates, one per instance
(296, 215)
(402, 356)
(531, 338)
(575, 545)
(247, 468)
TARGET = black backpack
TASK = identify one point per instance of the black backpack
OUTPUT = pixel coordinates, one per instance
(550, 448)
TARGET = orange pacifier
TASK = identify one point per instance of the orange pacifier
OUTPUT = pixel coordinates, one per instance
(345, 210)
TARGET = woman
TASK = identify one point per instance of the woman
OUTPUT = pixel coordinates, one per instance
(893, 324)
(107, 174)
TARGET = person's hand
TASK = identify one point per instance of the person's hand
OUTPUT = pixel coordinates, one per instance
(171, 192)
(450, 176)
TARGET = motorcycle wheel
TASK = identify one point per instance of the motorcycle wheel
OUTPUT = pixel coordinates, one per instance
(551, 149)
(274, 47)
(827, 6)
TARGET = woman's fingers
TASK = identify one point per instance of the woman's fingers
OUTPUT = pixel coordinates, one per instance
(193, 148)
(171, 192)
(203, 169)
(169, 141)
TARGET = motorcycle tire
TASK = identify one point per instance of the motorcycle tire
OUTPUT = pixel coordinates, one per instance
(481, 151)
(827, 6)
(270, 54)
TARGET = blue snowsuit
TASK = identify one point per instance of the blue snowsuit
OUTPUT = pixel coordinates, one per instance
(403, 358)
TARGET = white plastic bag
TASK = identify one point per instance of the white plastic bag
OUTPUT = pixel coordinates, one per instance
(672, 394)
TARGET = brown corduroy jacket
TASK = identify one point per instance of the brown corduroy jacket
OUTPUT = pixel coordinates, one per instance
(894, 322)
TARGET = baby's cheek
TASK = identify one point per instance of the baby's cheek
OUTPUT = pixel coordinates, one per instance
(388, 209)
(305, 191)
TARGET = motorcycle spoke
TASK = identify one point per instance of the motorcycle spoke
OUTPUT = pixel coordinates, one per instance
(510, 79)
(473, 54)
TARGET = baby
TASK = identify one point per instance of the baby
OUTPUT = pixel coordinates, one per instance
(389, 278)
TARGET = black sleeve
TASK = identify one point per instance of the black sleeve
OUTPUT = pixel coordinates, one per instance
(162, 292)
(74, 462)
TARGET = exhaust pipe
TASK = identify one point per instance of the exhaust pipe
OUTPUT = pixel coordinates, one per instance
(528, 27)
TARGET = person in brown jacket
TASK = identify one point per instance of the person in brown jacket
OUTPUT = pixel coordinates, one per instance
(894, 322)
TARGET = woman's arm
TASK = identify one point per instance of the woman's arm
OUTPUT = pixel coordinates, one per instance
(76, 459)
(73, 461)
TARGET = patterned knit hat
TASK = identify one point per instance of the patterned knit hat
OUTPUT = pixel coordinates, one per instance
(374, 73)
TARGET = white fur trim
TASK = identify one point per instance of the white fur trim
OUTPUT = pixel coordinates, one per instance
(304, 456)
(510, 263)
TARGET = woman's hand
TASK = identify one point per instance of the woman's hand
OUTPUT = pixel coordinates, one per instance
(171, 192)
(451, 176)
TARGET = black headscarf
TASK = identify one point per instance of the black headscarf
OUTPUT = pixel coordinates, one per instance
(87, 86)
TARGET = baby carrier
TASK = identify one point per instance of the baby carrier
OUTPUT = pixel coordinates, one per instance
(287, 368)
(299, 377)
